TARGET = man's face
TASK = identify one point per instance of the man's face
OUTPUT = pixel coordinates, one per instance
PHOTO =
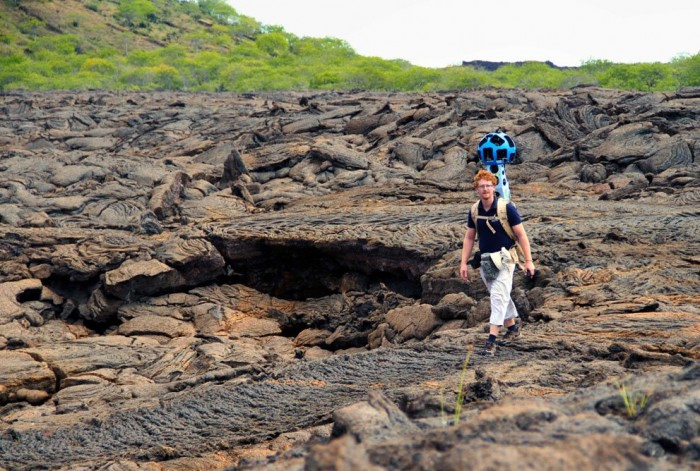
(484, 187)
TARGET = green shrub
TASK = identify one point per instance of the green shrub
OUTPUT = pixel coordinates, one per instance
(686, 70)
(272, 44)
(98, 65)
(136, 13)
(62, 44)
(218, 9)
(150, 78)
(326, 79)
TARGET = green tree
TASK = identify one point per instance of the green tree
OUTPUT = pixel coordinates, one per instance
(166, 77)
(218, 9)
(136, 13)
(650, 75)
(645, 77)
(327, 52)
(327, 79)
(98, 65)
(232, 75)
(453, 78)
(244, 27)
(13, 69)
(55, 66)
(273, 44)
(173, 54)
(415, 78)
(202, 68)
(617, 76)
(686, 70)
(596, 66)
(220, 37)
(144, 58)
(528, 75)
(190, 8)
(150, 78)
(369, 73)
(247, 50)
(62, 44)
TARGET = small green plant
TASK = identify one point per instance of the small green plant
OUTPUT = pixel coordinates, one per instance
(460, 390)
(634, 401)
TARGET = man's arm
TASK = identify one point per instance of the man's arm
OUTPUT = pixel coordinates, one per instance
(524, 242)
(467, 246)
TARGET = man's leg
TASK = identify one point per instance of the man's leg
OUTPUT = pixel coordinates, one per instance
(499, 292)
(511, 322)
(502, 307)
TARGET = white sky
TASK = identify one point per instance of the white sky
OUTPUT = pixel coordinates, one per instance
(439, 33)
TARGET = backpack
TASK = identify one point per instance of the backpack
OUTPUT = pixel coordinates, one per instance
(516, 252)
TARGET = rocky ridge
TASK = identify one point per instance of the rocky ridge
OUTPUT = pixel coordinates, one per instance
(270, 281)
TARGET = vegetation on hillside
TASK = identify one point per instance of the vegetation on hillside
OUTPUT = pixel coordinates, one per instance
(206, 45)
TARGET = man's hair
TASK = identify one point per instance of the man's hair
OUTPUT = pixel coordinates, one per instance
(484, 175)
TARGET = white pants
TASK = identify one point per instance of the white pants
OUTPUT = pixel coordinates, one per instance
(502, 307)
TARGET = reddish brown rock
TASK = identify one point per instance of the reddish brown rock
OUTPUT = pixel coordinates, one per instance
(169, 274)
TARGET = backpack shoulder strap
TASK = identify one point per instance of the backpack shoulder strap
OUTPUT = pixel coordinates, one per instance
(475, 215)
(502, 212)
(516, 251)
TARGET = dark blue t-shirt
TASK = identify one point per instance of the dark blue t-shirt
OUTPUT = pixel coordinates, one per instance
(488, 241)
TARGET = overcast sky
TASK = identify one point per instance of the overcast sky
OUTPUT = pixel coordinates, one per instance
(439, 33)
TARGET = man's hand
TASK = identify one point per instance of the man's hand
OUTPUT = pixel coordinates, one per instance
(463, 271)
(529, 269)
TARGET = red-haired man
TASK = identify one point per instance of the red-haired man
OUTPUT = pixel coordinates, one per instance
(497, 264)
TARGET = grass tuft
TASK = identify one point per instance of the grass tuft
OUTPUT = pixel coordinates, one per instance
(460, 391)
(634, 401)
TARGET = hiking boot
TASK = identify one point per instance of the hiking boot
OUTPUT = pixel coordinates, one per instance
(489, 349)
(511, 335)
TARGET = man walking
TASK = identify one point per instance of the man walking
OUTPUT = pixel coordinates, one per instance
(498, 256)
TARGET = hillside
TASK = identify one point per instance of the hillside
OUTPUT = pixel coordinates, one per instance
(206, 45)
(108, 24)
